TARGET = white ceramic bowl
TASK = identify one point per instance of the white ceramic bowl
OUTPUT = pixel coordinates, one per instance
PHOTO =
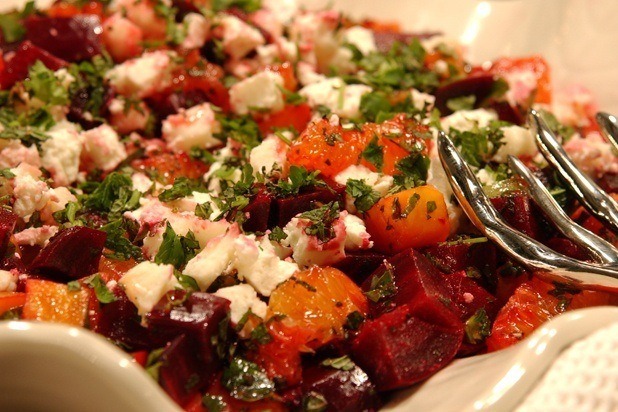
(45, 367)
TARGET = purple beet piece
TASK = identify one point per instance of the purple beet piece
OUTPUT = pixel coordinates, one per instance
(506, 112)
(284, 209)
(17, 63)
(451, 258)
(119, 322)
(359, 265)
(415, 280)
(481, 86)
(7, 226)
(197, 315)
(466, 297)
(258, 211)
(609, 182)
(181, 373)
(519, 212)
(568, 248)
(345, 391)
(70, 38)
(71, 254)
(385, 39)
(407, 345)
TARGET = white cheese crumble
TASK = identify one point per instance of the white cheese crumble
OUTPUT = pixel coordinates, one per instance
(8, 281)
(143, 76)
(343, 100)
(268, 155)
(518, 142)
(238, 37)
(465, 120)
(196, 28)
(243, 298)
(104, 148)
(360, 37)
(31, 194)
(146, 283)
(260, 92)
(190, 128)
(35, 235)
(61, 152)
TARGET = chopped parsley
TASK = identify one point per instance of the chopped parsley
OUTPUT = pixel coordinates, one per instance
(298, 178)
(114, 195)
(182, 187)
(478, 327)
(247, 381)
(314, 402)
(176, 250)
(43, 84)
(214, 403)
(343, 363)
(382, 286)
(248, 6)
(118, 243)
(321, 220)
(374, 154)
(413, 172)
(461, 103)
(479, 145)
(364, 195)
(103, 294)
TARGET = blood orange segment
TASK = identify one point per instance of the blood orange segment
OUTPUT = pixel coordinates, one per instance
(11, 300)
(170, 166)
(111, 269)
(535, 302)
(54, 302)
(318, 300)
(534, 64)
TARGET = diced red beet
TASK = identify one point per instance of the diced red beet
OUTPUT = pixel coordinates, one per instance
(71, 254)
(119, 322)
(284, 209)
(359, 265)
(17, 63)
(466, 297)
(519, 211)
(70, 38)
(506, 112)
(451, 258)
(344, 390)
(181, 373)
(416, 281)
(259, 212)
(385, 39)
(7, 226)
(481, 86)
(568, 247)
(407, 345)
(197, 315)
(609, 182)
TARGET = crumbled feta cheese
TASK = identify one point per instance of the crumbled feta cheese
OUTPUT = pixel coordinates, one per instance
(60, 153)
(102, 145)
(465, 120)
(128, 119)
(436, 176)
(260, 92)
(518, 142)
(238, 38)
(35, 235)
(356, 235)
(360, 37)
(284, 10)
(8, 281)
(422, 101)
(267, 21)
(58, 199)
(190, 128)
(214, 260)
(31, 194)
(485, 177)
(592, 154)
(146, 283)
(143, 76)
(141, 182)
(308, 250)
(14, 153)
(522, 83)
(270, 154)
(343, 100)
(378, 182)
(214, 182)
(197, 27)
(243, 298)
(307, 75)
(65, 77)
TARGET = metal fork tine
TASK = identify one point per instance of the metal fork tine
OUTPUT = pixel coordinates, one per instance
(541, 259)
(592, 197)
(601, 250)
(609, 126)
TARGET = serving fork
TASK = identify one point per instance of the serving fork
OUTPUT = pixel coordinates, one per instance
(602, 273)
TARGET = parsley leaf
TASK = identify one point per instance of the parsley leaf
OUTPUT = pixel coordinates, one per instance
(43, 84)
(314, 402)
(413, 170)
(321, 220)
(182, 187)
(242, 129)
(343, 363)
(248, 6)
(461, 103)
(478, 327)
(477, 146)
(374, 153)
(118, 242)
(103, 294)
(364, 195)
(12, 28)
(176, 250)
(277, 234)
(114, 195)
(382, 286)
(373, 104)
(247, 381)
(214, 403)
(298, 177)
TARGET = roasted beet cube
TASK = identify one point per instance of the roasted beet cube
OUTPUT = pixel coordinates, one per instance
(449, 258)
(519, 211)
(73, 253)
(197, 315)
(284, 209)
(480, 86)
(359, 265)
(609, 182)
(344, 390)
(405, 278)
(70, 38)
(17, 63)
(181, 373)
(7, 225)
(119, 322)
(407, 345)
(466, 297)
(258, 211)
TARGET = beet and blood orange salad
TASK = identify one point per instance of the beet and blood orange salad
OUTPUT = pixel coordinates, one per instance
(247, 197)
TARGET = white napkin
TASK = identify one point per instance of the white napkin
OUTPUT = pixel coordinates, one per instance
(584, 378)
